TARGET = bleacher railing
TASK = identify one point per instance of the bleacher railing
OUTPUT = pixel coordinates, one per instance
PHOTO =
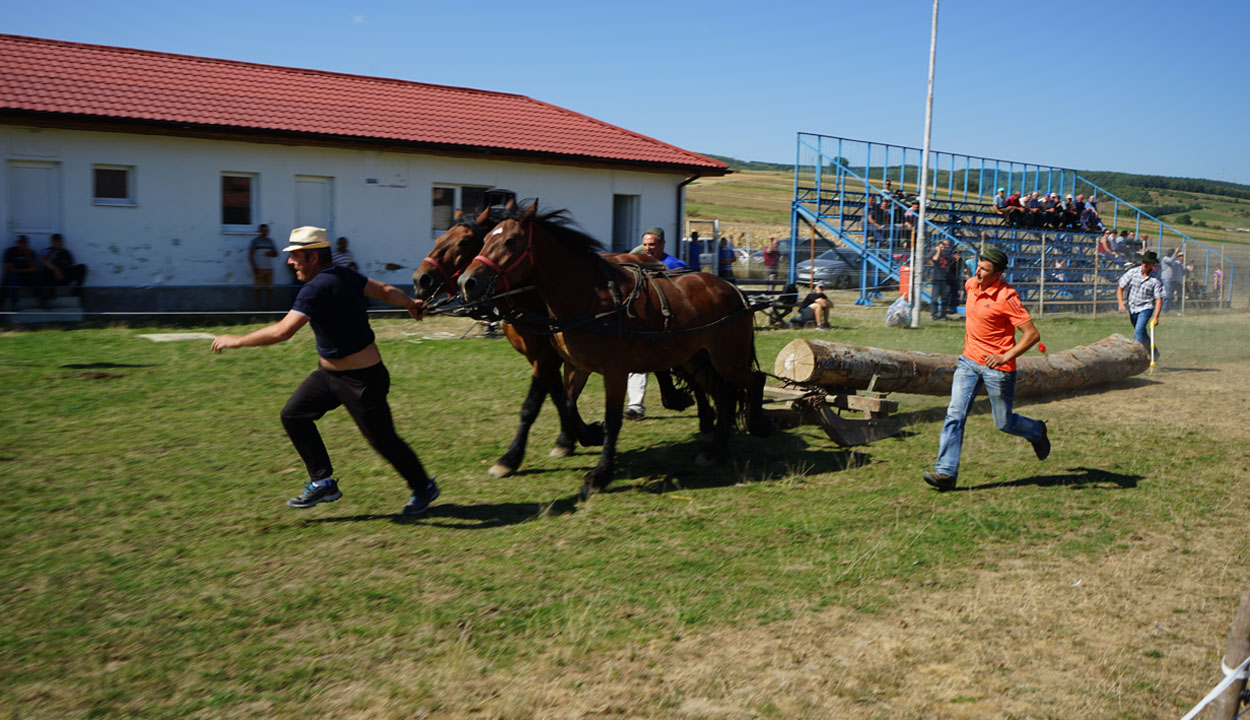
(1058, 268)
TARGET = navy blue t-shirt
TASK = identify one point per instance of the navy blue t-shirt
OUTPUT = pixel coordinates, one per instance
(334, 303)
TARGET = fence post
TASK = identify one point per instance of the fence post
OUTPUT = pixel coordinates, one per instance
(1095, 291)
(1235, 652)
(1041, 281)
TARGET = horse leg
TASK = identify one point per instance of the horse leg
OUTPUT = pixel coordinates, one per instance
(614, 405)
(511, 460)
(718, 449)
(575, 430)
(698, 370)
(758, 423)
(670, 397)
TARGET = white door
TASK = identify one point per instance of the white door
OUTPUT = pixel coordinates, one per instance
(34, 200)
(314, 202)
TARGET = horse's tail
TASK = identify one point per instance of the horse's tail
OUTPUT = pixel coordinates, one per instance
(751, 401)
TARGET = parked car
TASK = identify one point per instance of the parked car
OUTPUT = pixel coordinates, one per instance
(837, 268)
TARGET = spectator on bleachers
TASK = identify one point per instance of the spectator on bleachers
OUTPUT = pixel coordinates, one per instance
(1070, 216)
(1106, 247)
(1000, 202)
(1014, 211)
(912, 218)
(1052, 211)
(1132, 244)
(877, 221)
(1090, 221)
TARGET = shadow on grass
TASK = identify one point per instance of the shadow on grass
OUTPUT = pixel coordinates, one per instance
(1081, 477)
(100, 365)
(469, 517)
(982, 405)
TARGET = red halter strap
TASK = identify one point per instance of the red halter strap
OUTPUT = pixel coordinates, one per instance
(448, 278)
(503, 272)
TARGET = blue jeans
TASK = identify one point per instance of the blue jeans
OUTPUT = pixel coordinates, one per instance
(1141, 326)
(967, 382)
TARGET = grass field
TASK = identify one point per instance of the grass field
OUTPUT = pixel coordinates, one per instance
(151, 570)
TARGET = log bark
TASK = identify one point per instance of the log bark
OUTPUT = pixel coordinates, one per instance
(848, 367)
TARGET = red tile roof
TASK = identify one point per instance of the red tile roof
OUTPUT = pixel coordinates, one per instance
(97, 81)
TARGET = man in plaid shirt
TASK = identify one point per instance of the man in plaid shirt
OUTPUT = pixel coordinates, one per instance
(1145, 297)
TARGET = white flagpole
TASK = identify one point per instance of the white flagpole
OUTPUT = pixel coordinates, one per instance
(917, 252)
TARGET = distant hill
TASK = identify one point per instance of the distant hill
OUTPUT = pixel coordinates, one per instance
(736, 164)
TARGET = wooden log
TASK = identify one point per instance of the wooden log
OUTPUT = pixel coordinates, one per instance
(848, 367)
(1236, 650)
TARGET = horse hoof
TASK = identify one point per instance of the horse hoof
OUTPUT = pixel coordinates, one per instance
(586, 491)
(500, 471)
(561, 451)
(762, 427)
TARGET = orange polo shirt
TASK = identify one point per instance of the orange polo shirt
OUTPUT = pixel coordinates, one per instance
(993, 315)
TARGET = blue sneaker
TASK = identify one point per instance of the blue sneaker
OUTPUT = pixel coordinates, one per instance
(315, 492)
(420, 502)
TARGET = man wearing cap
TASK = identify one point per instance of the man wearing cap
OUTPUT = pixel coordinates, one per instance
(350, 371)
(1145, 297)
(1000, 201)
(815, 307)
(989, 359)
(636, 385)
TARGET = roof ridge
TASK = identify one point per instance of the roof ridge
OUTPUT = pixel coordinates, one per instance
(121, 49)
(648, 138)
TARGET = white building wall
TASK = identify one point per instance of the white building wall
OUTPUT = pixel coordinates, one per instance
(173, 234)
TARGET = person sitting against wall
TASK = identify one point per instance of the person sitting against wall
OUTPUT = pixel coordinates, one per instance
(342, 257)
(21, 269)
(59, 267)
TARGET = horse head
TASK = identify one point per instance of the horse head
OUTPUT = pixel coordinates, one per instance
(507, 254)
(452, 253)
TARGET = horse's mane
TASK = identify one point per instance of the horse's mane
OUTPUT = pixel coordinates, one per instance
(563, 229)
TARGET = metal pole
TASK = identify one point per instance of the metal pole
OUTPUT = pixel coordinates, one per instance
(917, 262)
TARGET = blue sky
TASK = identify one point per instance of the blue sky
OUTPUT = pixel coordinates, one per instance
(1142, 86)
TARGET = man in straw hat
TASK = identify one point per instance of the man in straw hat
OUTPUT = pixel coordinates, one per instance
(1145, 297)
(994, 313)
(350, 371)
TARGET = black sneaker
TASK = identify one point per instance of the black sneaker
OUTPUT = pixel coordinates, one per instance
(940, 481)
(1041, 446)
(314, 493)
(633, 412)
(420, 502)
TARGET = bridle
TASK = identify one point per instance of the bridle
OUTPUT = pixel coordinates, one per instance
(503, 271)
(448, 278)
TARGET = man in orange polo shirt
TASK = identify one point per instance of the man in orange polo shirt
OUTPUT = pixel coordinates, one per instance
(994, 313)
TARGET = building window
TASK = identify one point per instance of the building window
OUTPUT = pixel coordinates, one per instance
(447, 199)
(113, 184)
(238, 202)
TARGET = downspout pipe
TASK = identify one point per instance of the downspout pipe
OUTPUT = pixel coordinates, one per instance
(681, 209)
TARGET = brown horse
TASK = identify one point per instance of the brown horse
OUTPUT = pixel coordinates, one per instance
(614, 320)
(438, 272)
